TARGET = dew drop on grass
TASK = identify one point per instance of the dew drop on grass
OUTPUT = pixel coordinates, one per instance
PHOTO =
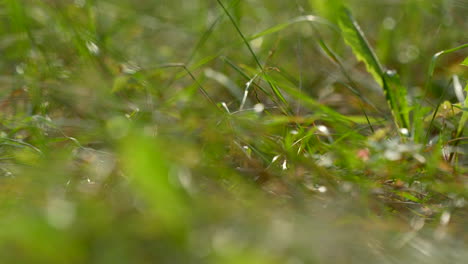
(258, 108)
(225, 107)
(275, 158)
(322, 189)
(404, 131)
(92, 47)
(323, 130)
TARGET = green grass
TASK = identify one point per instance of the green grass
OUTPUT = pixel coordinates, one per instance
(233, 131)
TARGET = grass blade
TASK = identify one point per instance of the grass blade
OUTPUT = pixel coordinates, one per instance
(352, 86)
(279, 27)
(465, 62)
(395, 93)
(275, 89)
(464, 117)
(419, 113)
(355, 38)
(430, 72)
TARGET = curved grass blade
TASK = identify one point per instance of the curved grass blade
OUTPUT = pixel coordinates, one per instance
(352, 86)
(244, 74)
(184, 67)
(327, 8)
(395, 93)
(355, 38)
(309, 102)
(279, 27)
(461, 123)
(268, 31)
(200, 43)
(464, 117)
(275, 89)
(419, 113)
(225, 81)
(465, 62)
(207, 34)
(430, 72)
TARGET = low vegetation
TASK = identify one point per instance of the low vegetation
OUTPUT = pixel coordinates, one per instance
(233, 131)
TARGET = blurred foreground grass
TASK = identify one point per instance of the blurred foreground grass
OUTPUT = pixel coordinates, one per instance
(150, 131)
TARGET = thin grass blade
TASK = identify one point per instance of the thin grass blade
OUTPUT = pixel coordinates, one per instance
(464, 117)
(418, 127)
(274, 88)
(395, 93)
(465, 62)
(356, 39)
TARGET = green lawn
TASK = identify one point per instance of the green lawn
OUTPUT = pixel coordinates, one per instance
(233, 131)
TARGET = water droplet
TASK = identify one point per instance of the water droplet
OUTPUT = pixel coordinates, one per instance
(225, 107)
(323, 130)
(92, 47)
(275, 158)
(404, 131)
(258, 108)
(322, 189)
